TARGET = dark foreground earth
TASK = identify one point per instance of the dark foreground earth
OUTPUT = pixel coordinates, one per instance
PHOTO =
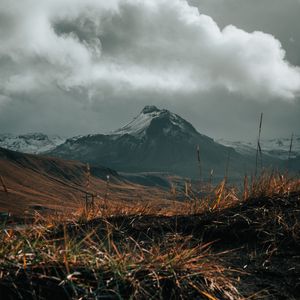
(253, 246)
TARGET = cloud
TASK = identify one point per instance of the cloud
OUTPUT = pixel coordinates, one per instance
(127, 45)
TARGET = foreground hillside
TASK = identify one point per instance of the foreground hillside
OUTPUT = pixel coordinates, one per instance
(243, 247)
(50, 185)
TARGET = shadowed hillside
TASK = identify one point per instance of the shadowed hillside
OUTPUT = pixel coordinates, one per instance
(43, 184)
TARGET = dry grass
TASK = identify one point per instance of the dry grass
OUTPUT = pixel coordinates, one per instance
(100, 254)
(218, 197)
(94, 264)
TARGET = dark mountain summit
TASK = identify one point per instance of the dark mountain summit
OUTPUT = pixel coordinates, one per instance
(155, 140)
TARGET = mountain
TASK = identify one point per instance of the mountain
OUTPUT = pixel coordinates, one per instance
(276, 147)
(33, 143)
(157, 140)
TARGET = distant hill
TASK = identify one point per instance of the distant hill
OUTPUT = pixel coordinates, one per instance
(31, 142)
(278, 148)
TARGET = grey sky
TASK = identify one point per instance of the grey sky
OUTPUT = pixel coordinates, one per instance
(74, 67)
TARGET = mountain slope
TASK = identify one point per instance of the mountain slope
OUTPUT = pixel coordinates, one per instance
(48, 184)
(156, 140)
(31, 142)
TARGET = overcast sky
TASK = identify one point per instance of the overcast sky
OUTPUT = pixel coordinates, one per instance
(88, 66)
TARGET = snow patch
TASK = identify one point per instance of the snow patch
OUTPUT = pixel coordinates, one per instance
(138, 126)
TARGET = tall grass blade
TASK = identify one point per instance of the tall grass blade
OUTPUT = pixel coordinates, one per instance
(258, 149)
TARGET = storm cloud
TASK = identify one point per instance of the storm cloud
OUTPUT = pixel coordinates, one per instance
(124, 52)
(137, 44)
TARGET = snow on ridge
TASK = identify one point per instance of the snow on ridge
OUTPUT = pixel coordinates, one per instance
(138, 125)
(33, 143)
(276, 147)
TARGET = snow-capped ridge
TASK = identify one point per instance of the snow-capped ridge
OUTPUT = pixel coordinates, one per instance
(140, 124)
(275, 147)
(33, 143)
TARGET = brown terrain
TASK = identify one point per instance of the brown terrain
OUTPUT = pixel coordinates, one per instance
(47, 185)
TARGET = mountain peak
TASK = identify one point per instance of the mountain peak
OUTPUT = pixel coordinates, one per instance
(151, 119)
(149, 109)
